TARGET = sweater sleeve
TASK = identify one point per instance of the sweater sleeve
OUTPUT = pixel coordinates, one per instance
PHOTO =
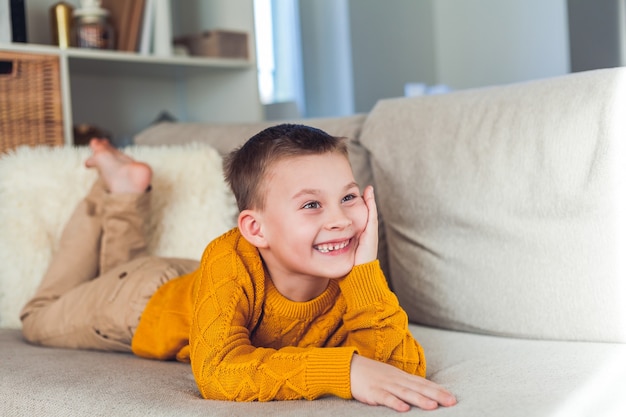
(377, 325)
(226, 366)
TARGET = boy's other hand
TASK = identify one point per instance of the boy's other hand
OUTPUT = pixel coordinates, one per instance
(367, 250)
(378, 383)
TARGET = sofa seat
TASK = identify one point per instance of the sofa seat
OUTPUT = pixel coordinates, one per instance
(491, 376)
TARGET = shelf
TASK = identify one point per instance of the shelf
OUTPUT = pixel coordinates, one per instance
(106, 62)
(122, 92)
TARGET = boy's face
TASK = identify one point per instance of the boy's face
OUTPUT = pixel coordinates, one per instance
(312, 219)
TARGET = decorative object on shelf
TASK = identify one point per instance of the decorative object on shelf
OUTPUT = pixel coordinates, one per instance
(18, 21)
(156, 29)
(216, 43)
(84, 132)
(61, 23)
(91, 26)
(30, 104)
(162, 37)
(147, 28)
(164, 117)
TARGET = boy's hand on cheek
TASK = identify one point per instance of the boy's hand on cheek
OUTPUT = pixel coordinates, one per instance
(378, 383)
(367, 250)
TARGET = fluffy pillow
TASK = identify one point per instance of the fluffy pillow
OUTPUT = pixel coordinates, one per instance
(39, 188)
(505, 207)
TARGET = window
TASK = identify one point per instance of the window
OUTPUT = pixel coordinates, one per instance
(279, 62)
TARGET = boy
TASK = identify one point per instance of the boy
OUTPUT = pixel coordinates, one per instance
(290, 304)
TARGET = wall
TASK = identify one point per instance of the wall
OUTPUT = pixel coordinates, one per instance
(326, 62)
(597, 33)
(190, 17)
(461, 43)
(391, 45)
(487, 42)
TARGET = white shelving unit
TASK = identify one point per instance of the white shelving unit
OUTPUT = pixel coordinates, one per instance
(124, 92)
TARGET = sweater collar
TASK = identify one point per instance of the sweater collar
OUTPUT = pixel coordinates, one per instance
(300, 310)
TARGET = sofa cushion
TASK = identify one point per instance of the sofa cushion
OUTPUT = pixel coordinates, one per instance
(226, 136)
(39, 188)
(505, 207)
(491, 377)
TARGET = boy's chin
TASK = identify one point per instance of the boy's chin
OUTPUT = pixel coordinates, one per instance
(337, 268)
(338, 274)
(336, 278)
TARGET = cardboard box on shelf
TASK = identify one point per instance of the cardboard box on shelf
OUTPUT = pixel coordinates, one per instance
(216, 43)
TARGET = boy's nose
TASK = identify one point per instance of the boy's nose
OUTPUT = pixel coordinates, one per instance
(338, 220)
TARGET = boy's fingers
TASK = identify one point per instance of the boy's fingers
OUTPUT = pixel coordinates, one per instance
(368, 196)
(428, 390)
(415, 398)
(370, 202)
(395, 388)
(395, 403)
(367, 249)
(440, 394)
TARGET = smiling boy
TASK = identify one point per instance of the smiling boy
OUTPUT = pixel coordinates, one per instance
(291, 304)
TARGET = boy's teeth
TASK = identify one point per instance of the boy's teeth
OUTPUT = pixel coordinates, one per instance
(326, 247)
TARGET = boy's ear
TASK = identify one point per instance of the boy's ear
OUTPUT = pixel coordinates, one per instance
(249, 223)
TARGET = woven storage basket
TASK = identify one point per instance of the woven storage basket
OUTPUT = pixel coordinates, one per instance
(30, 100)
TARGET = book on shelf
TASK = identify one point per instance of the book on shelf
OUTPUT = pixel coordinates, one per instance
(156, 31)
(126, 17)
(145, 38)
(136, 20)
(162, 36)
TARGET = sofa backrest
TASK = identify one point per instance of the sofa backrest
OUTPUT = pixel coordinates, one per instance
(505, 207)
(227, 136)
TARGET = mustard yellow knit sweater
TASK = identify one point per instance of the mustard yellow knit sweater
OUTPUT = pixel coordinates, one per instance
(247, 342)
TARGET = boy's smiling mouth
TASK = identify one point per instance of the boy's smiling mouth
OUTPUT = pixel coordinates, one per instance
(331, 247)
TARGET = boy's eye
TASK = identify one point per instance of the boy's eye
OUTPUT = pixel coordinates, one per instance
(349, 197)
(312, 205)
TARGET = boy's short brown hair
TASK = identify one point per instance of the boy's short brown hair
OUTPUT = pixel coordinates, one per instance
(245, 167)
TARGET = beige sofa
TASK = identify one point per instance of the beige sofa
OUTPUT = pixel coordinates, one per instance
(503, 217)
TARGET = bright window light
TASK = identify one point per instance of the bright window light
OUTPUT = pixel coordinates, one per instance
(279, 57)
(265, 49)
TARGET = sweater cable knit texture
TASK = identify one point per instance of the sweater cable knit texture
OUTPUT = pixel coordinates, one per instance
(247, 342)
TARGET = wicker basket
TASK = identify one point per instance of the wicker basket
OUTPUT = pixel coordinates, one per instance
(30, 100)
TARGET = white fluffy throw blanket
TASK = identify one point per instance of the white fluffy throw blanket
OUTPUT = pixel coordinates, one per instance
(39, 188)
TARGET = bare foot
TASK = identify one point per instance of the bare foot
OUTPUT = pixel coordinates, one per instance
(120, 172)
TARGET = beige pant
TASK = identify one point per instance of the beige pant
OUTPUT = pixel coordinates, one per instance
(100, 279)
